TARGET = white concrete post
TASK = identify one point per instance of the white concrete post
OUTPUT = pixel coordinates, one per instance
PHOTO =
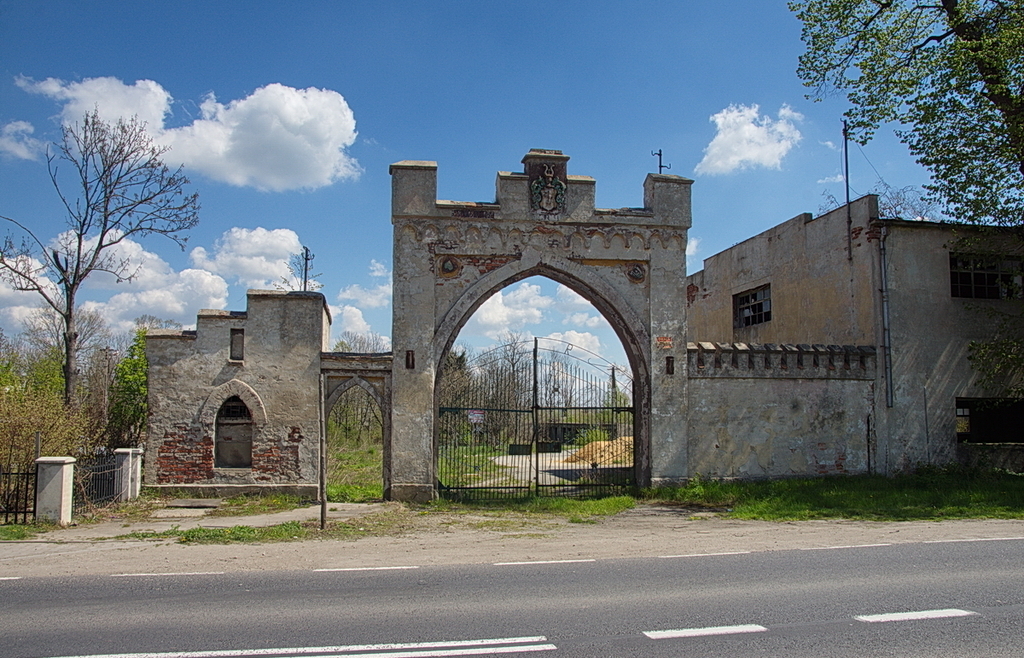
(55, 479)
(129, 473)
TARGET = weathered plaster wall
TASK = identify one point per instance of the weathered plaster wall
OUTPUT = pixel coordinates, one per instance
(191, 374)
(759, 411)
(819, 295)
(931, 331)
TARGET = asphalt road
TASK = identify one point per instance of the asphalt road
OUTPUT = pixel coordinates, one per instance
(966, 598)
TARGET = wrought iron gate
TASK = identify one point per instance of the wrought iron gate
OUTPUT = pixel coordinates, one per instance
(541, 417)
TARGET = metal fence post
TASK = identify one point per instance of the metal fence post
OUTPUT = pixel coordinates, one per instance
(129, 473)
(55, 478)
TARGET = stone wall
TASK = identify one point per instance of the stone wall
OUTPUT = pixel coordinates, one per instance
(757, 411)
(192, 373)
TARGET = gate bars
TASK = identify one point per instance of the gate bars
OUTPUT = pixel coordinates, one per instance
(554, 420)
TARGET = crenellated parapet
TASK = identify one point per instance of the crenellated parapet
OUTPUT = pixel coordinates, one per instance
(769, 361)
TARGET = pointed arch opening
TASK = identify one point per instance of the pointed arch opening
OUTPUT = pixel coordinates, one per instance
(539, 386)
(234, 434)
(356, 433)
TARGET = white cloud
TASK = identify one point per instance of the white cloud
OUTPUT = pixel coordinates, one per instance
(112, 98)
(744, 139)
(509, 311)
(16, 140)
(277, 138)
(179, 297)
(569, 298)
(583, 320)
(838, 178)
(379, 269)
(156, 289)
(16, 307)
(256, 258)
(586, 340)
(349, 318)
(692, 245)
(374, 297)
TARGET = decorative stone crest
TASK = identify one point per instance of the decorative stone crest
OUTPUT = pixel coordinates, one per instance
(547, 193)
(546, 171)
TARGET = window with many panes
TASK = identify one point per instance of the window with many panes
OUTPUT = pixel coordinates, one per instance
(984, 277)
(752, 307)
(989, 420)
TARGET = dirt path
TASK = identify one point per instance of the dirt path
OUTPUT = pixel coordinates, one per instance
(646, 531)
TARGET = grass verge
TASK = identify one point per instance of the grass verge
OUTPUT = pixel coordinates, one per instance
(383, 524)
(928, 494)
(249, 505)
(21, 531)
(575, 510)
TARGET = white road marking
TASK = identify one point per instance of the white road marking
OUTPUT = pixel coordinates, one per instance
(398, 650)
(910, 616)
(508, 564)
(366, 568)
(957, 541)
(667, 557)
(700, 632)
(833, 548)
(181, 573)
(10, 577)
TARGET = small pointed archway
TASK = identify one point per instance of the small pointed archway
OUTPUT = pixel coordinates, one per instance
(450, 257)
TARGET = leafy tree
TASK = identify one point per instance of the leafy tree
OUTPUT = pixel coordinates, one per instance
(128, 395)
(950, 74)
(30, 402)
(120, 189)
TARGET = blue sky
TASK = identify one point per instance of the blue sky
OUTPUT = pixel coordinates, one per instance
(287, 116)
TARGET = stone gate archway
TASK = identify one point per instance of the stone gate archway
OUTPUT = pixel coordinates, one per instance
(450, 257)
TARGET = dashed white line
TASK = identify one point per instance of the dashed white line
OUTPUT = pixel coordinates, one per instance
(957, 541)
(833, 548)
(368, 568)
(397, 650)
(181, 573)
(668, 557)
(911, 616)
(509, 564)
(10, 577)
(710, 630)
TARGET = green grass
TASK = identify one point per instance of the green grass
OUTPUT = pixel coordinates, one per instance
(929, 494)
(248, 505)
(575, 510)
(20, 532)
(355, 493)
(388, 523)
(355, 468)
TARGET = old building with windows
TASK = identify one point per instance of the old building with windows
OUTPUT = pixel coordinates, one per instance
(850, 277)
(825, 345)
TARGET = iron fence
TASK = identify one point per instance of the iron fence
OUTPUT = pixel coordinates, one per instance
(17, 496)
(96, 484)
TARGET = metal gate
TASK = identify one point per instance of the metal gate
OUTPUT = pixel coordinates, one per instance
(17, 496)
(539, 417)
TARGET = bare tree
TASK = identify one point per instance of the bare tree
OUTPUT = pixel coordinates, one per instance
(44, 329)
(121, 189)
(368, 343)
